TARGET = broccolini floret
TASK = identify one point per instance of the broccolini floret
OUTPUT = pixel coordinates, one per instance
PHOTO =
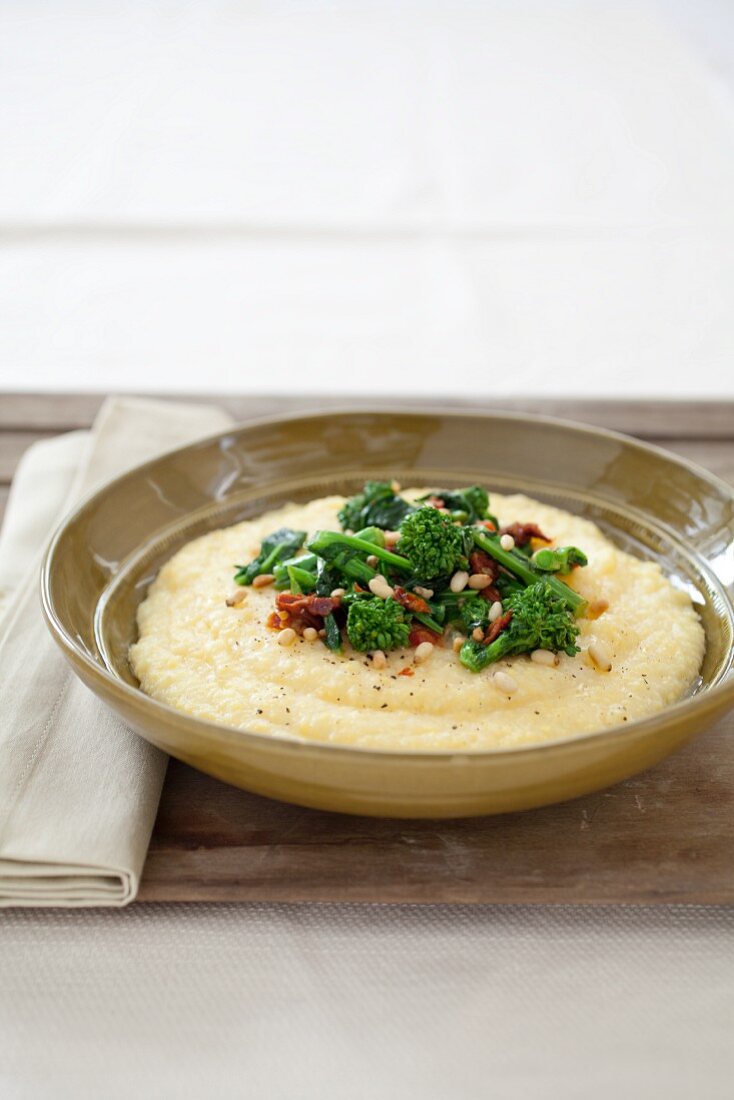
(431, 542)
(540, 620)
(373, 623)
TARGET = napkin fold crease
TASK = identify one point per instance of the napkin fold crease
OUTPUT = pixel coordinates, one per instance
(79, 791)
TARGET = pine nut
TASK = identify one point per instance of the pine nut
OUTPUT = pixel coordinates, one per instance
(372, 560)
(495, 611)
(600, 655)
(391, 537)
(504, 682)
(237, 596)
(477, 634)
(263, 580)
(310, 634)
(507, 542)
(337, 592)
(287, 636)
(479, 580)
(379, 660)
(423, 652)
(426, 593)
(379, 587)
(459, 581)
(544, 657)
(395, 486)
(458, 642)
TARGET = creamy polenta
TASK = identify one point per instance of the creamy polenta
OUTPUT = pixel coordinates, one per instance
(223, 663)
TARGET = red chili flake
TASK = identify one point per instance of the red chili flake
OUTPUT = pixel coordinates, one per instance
(420, 634)
(407, 671)
(409, 600)
(497, 627)
(522, 533)
(487, 523)
(276, 622)
(482, 562)
(490, 593)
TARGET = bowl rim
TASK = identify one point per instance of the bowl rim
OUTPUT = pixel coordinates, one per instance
(713, 700)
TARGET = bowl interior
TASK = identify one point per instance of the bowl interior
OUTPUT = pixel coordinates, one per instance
(649, 503)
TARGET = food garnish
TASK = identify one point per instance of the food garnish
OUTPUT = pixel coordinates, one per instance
(403, 574)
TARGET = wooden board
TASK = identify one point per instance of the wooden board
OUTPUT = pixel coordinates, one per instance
(664, 836)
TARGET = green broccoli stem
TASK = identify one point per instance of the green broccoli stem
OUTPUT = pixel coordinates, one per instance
(371, 534)
(300, 580)
(306, 563)
(428, 622)
(477, 656)
(519, 566)
(329, 540)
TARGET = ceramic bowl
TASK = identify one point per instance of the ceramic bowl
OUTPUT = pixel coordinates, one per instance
(103, 558)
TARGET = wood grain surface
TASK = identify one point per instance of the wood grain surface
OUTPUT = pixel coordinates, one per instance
(664, 836)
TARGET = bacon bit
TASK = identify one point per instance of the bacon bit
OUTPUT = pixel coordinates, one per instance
(522, 533)
(481, 562)
(277, 622)
(497, 627)
(410, 601)
(490, 594)
(407, 671)
(420, 634)
(298, 603)
(486, 523)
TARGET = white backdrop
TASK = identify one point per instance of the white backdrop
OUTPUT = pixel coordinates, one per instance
(529, 196)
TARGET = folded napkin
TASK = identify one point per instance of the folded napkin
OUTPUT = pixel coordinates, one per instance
(78, 790)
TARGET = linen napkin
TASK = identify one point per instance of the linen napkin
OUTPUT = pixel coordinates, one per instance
(78, 789)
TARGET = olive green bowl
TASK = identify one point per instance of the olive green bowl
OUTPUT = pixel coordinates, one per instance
(105, 555)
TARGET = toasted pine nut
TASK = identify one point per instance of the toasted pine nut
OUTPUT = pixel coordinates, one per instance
(336, 592)
(379, 586)
(600, 655)
(597, 608)
(310, 634)
(507, 542)
(479, 580)
(495, 611)
(287, 636)
(544, 657)
(426, 593)
(391, 537)
(379, 660)
(459, 581)
(263, 580)
(237, 596)
(322, 633)
(504, 682)
(395, 486)
(372, 560)
(423, 652)
(477, 634)
(458, 642)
